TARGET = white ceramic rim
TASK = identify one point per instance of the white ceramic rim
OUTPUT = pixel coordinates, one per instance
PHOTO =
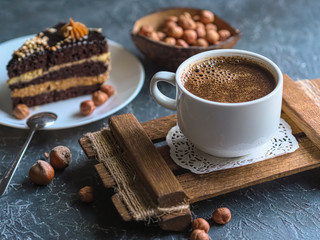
(230, 52)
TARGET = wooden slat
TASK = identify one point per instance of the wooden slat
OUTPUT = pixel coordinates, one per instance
(147, 161)
(179, 221)
(87, 147)
(105, 176)
(301, 109)
(200, 187)
(121, 208)
(156, 129)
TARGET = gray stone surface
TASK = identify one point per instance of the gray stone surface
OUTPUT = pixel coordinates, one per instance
(286, 31)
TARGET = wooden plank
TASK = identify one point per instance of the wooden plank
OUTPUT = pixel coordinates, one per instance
(200, 187)
(165, 153)
(179, 221)
(105, 176)
(121, 208)
(147, 161)
(301, 109)
(87, 148)
(156, 129)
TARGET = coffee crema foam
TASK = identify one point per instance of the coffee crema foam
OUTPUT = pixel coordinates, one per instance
(228, 79)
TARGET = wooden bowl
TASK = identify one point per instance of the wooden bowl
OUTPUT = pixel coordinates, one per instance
(169, 56)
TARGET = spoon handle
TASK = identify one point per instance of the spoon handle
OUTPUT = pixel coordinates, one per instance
(12, 168)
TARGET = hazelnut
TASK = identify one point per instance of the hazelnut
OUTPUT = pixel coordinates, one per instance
(87, 107)
(175, 32)
(171, 19)
(211, 26)
(21, 111)
(161, 35)
(206, 16)
(169, 24)
(190, 36)
(221, 215)
(99, 98)
(196, 18)
(145, 30)
(186, 22)
(199, 234)
(200, 223)
(108, 89)
(182, 43)
(201, 32)
(86, 194)
(170, 40)
(212, 36)
(60, 157)
(154, 36)
(41, 173)
(200, 25)
(201, 42)
(224, 34)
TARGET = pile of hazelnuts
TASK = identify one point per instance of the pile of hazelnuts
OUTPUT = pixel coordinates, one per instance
(99, 97)
(42, 172)
(60, 157)
(186, 30)
(201, 227)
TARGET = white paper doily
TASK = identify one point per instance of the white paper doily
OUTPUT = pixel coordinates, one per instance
(184, 154)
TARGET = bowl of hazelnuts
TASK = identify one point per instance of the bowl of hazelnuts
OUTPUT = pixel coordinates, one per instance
(168, 37)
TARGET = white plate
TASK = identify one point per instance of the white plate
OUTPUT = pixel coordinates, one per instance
(127, 76)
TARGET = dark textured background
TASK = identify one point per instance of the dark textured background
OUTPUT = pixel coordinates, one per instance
(287, 32)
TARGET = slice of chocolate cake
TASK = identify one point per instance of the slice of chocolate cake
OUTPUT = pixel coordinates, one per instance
(62, 62)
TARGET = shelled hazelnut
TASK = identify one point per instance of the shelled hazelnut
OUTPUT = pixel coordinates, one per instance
(182, 43)
(212, 36)
(108, 89)
(221, 215)
(206, 16)
(87, 107)
(190, 36)
(21, 111)
(200, 223)
(186, 30)
(199, 234)
(41, 173)
(60, 157)
(224, 34)
(99, 97)
(86, 194)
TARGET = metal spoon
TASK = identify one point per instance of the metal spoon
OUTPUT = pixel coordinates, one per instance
(35, 122)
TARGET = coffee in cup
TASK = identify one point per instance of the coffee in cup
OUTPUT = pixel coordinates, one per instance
(228, 79)
(228, 101)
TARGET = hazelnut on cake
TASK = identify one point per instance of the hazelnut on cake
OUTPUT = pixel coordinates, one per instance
(65, 61)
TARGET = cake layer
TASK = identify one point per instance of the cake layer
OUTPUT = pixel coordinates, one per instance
(30, 77)
(55, 96)
(51, 48)
(58, 85)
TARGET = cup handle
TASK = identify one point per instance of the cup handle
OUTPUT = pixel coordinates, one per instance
(158, 96)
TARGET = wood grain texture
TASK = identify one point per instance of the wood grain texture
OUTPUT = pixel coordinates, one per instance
(87, 147)
(121, 208)
(200, 187)
(179, 221)
(106, 178)
(301, 109)
(156, 130)
(147, 161)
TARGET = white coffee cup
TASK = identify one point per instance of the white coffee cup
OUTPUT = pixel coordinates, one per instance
(223, 129)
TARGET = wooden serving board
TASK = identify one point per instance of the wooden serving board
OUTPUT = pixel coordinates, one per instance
(301, 110)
